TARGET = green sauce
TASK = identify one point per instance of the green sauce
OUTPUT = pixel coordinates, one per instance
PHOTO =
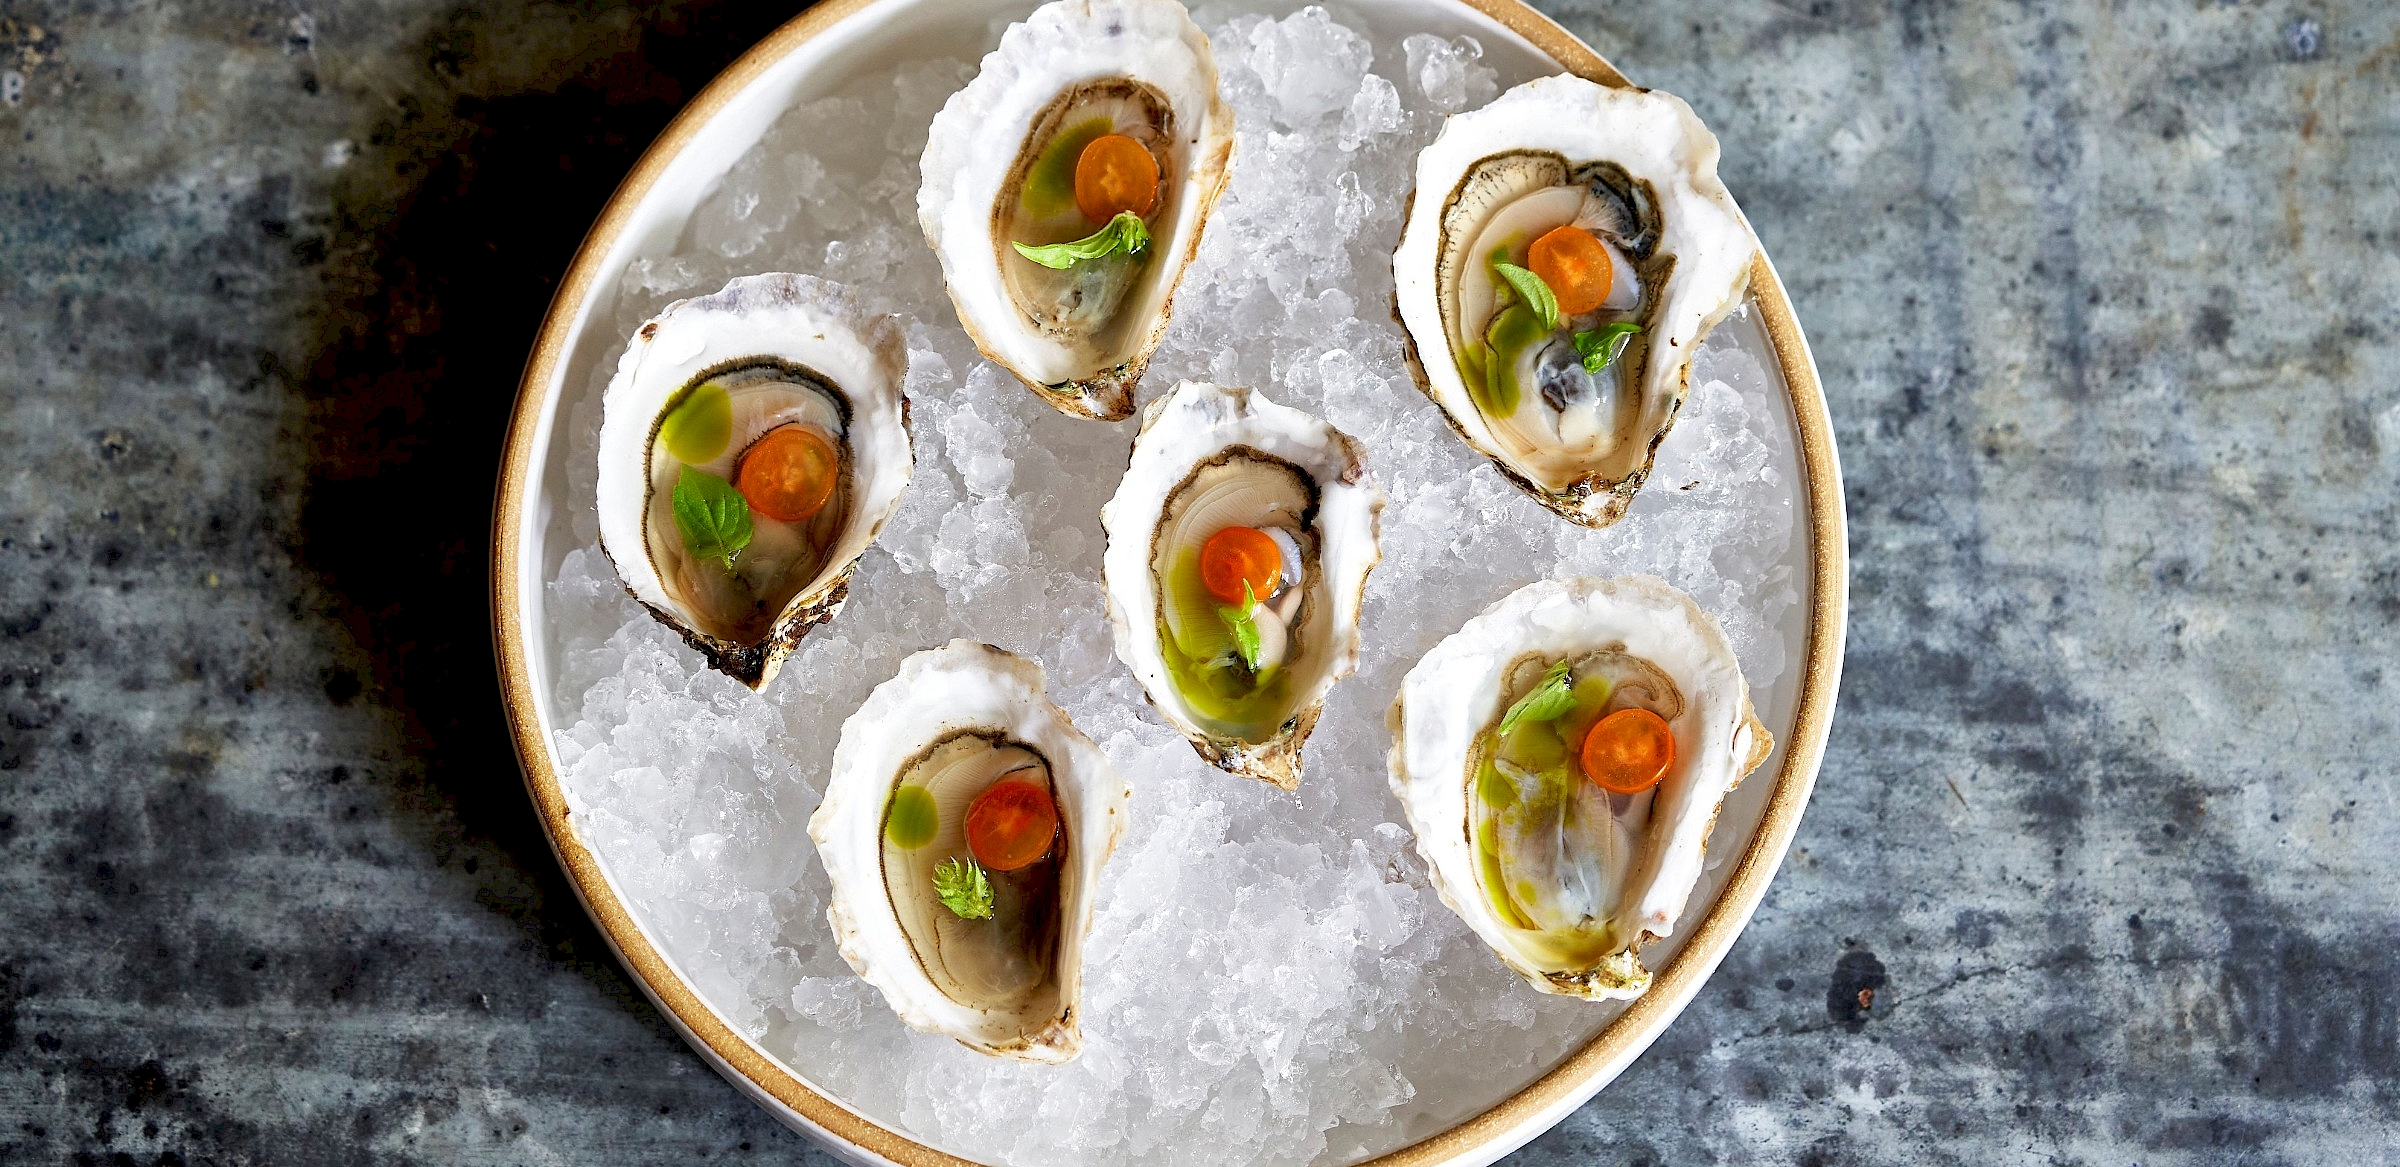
(1247, 706)
(912, 819)
(1050, 184)
(1497, 393)
(700, 426)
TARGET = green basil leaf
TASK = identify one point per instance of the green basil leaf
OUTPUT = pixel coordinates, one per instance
(1603, 345)
(1531, 291)
(963, 888)
(1550, 700)
(713, 516)
(1124, 233)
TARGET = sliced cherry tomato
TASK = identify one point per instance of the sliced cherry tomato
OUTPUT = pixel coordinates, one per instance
(789, 474)
(1629, 751)
(1011, 824)
(1115, 173)
(1576, 266)
(1236, 556)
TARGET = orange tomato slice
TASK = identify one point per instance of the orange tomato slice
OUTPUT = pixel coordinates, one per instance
(1236, 556)
(1628, 752)
(789, 474)
(1011, 824)
(1115, 173)
(1576, 266)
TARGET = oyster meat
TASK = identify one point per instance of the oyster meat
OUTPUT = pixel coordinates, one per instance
(964, 826)
(1239, 544)
(1566, 249)
(752, 444)
(1561, 759)
(1065, 187)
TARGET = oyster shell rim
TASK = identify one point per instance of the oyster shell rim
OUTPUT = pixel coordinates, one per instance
(1619, 975)
(1275, 761)
(1092, 814)
(1107, 394)
(880, 410)
(1588, 499)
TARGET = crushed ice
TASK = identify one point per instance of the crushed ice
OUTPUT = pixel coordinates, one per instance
(1271, 980)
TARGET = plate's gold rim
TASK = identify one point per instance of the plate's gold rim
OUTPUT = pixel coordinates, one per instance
(1715, 933)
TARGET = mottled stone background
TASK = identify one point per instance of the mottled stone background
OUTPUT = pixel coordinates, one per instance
(2104, 300)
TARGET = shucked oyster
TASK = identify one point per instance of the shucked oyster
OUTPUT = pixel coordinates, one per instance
(1065, 188)
(1561, 759)
(1239, 544)
(963, 828)
(1567, 248)
(752, 445)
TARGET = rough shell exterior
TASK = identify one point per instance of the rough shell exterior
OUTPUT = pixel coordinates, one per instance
(1657, 139)
(973, 143)
(795, 318)
(1455, 692)
(1191, 423)
(962, 685)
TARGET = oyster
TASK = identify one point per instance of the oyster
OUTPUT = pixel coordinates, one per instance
(1239, 544)
(753, 443)
(1561, 759)
(1065, 188)
(1605, 204)
(964, 827)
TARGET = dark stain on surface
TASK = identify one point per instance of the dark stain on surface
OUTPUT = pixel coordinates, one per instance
(12, 989)
(2301, 1016)
(311, 374)
(2214, 1132)
(416, 363)
(1850, 998)
(1975, 927)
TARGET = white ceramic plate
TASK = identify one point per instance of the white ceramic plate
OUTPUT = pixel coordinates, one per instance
(837, 44)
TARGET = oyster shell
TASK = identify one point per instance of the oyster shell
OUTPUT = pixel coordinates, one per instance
(1000, 166)
(957, 721)
(1211, 459)
(1636, 171)
(1563, 878)
(787, 365)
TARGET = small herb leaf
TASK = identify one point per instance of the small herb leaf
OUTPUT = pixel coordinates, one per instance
(1244, 626)
(1530, 289)
(1123, 233)
(964, 888)
(1550, 700)
(713, 516)
(1242, 621)
(1603, 345)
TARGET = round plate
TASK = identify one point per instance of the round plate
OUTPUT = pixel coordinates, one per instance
(840, 41)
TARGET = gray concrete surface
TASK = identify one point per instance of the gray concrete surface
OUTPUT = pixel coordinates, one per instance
(2104, 300)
